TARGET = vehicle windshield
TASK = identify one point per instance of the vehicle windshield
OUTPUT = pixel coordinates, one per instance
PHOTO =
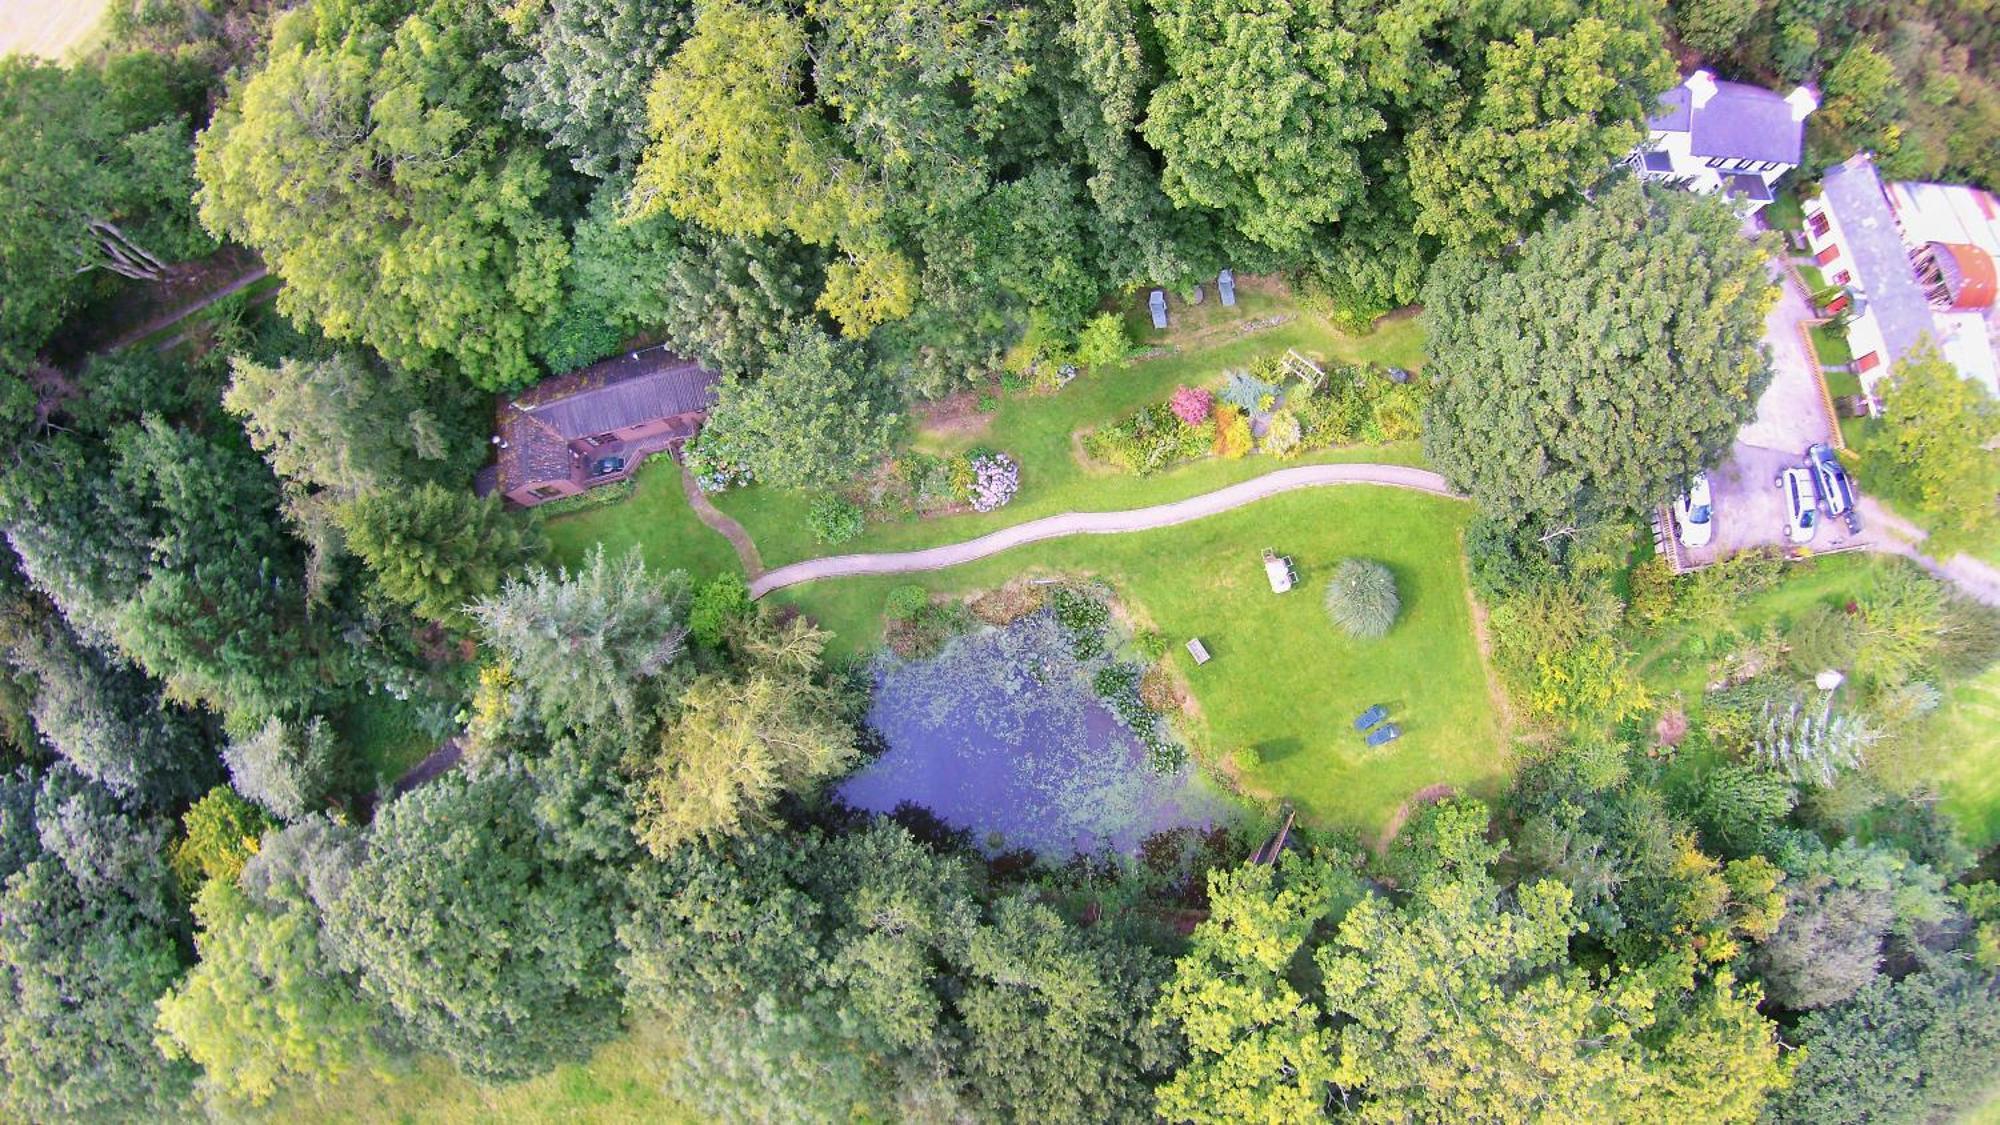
(1698, 514)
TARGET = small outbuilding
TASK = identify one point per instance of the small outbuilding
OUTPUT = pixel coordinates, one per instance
(1158, 303)
(1278, 569)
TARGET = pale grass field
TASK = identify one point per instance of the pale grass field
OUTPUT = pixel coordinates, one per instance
(48, 28)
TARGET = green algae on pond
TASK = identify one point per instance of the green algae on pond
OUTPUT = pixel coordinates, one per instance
(1000, 732)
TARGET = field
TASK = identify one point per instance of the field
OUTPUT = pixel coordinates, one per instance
(48, 28)
(1282, 681)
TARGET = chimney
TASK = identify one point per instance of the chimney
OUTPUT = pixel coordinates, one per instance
(1803, 101)
(1701, 88)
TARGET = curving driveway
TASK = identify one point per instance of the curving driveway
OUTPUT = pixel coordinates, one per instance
(1101, 523)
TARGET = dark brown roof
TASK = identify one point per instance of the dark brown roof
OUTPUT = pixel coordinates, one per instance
(536, 425)
(625, 391)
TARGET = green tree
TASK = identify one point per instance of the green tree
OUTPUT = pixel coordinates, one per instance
(719, 607)
(1920, 1048)
(287, 767)
(819, 414)
(219, 835)
(1936, 427)
(1256, 1045)
(1591, 373)
(1550, 113)
(737, 743)
(435, 549)
(582, 72)
(1260, 113)
(446, 248)
(1713, 27)
(89, 181)
(489, 952)
(1861, 102)
(585, 643)
(262, 1010)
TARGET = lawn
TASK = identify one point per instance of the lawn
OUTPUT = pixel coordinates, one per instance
(1282, 680)
(1830, 345)
(49, 28)
(1784, 212)
(656, 519)
(621, 1083)
(1040, 431)
(1963, 741)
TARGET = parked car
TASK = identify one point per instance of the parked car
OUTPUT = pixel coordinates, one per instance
(1836, 488)
(607, 466)
(1801, 504)
(1695, 513)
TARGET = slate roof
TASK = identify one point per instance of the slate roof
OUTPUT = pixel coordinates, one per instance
(1869, 237)
(1741, 122)
(620, 392)
(538, 424)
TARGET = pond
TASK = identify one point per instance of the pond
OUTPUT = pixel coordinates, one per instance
(1000, 732)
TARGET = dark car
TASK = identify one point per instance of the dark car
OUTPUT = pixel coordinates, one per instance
(1836, 488)
(607, 466)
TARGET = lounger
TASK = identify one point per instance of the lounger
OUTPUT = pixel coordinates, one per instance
(1386, 733)
(1371, 716)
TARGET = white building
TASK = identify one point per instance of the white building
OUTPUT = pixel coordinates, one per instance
(1917, 261)
(1725, 136)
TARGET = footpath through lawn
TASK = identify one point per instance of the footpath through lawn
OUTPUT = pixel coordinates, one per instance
(1283, 681)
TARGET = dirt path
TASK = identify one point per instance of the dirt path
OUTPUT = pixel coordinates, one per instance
(1094, 523)
(167, 320)
(1978, 580)
(746, 548)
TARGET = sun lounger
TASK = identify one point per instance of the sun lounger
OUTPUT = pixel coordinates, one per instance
(1371, 716)
(1384, 734)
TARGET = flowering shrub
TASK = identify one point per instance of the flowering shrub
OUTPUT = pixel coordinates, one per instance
(995, 479)
(1150, 440)
(1232, 433)
(1281, 440)
(1191, 405)
(716, 466)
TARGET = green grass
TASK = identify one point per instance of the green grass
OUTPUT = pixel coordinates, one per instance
(1784, 212)
(385, 737)
(50, 28)
(1813, 277)
(621, 1083)
(1830, 344)
(656, 519)
(1040, 431)
(1282, 680)
(1963, 741)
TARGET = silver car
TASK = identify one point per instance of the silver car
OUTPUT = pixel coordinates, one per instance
(1801, 504)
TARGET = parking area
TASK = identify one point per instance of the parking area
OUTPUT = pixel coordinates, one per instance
(1791, 417)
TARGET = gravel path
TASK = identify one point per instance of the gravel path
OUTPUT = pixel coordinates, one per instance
(1101, 523)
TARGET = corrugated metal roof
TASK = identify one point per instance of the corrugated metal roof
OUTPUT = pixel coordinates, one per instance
(1869, 237)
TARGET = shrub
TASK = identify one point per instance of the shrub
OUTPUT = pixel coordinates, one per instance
(1008, 604)
(1191, 405)
(995, 479)
(1152, 644)
(1148, 441)
(988, 403)
(1361, 598)
(906, 602)
(1822, 638)
(716, 607)
(1232, 433)
(1247, 759)
(834, 519)
(1247, 393)
(1653, 590)
(1398, 414)
(1102, 341)
(1281, 439)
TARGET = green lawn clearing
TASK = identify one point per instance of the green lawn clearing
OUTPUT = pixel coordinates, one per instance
(1283, 681)
(1964, 760)
(1784, 212)
(1830, 345)
(655, 519)
(621, 1083)
(385, 738)
(1040, 431)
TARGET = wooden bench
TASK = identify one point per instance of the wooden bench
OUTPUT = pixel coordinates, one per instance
(1197, 650)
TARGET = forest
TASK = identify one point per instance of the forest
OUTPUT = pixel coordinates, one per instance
(243, 554)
